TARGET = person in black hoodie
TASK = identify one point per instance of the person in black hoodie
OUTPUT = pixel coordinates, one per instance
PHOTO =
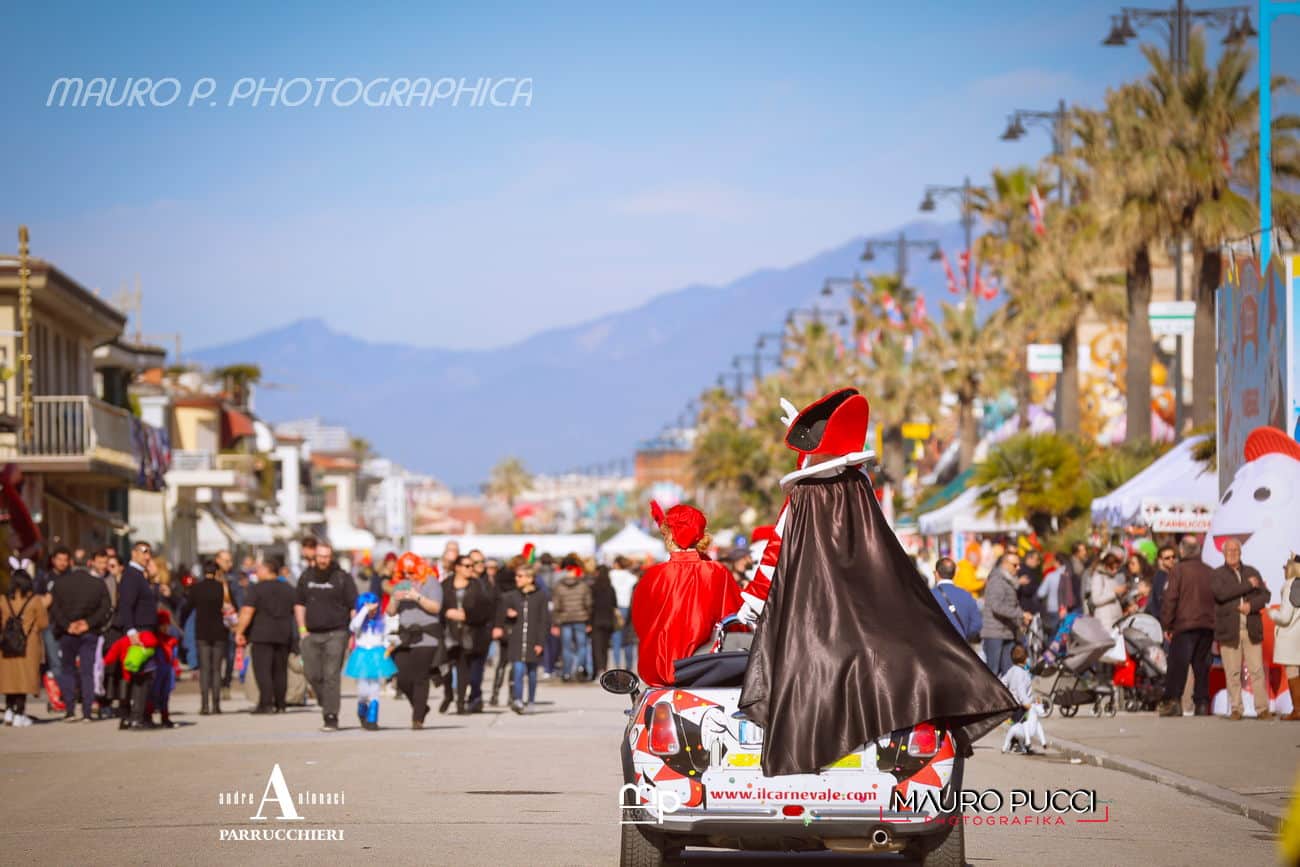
(468, 610)
(528, 607)
(206, 600)
(137, 611)
(80, 609)
(604, 606)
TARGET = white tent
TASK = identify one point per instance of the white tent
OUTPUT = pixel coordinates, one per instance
(963, 515)
(632, 541)
(1175, 477)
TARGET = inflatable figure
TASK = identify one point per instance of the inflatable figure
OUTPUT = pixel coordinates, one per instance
(1261, 508)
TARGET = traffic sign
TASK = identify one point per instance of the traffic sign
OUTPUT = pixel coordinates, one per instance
(1044, 358)
(1172, 317)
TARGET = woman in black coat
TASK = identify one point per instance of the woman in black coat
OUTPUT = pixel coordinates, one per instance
(604, 616)
(206, 599)
(468, 612)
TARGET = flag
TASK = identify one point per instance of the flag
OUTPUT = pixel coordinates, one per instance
(963, 262)
(1036, 211)
(919, 315)
(982, 290)
(947, 270)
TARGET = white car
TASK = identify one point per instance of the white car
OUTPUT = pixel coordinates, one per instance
(692, 778)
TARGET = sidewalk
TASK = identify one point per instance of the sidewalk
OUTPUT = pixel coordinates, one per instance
(1249, 767)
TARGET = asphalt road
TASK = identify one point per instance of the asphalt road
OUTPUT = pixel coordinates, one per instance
(489, 789)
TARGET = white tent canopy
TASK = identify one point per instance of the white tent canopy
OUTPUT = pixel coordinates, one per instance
(632, 541)
(1174, 477)
(963, 515)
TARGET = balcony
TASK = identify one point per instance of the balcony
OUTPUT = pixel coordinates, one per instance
(234, 474)
(75, 433)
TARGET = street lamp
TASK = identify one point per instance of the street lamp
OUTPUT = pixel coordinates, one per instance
(1178, 23)
(1057, 121)
(965, 194)
(900, 245)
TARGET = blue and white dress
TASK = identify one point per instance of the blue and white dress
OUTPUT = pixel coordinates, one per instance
(368, 660)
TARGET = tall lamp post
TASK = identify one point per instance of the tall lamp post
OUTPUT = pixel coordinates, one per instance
(25, 349)
(964, 195)
(1178, 24)
(900, 246)
(1057, 121)
(1268, 10)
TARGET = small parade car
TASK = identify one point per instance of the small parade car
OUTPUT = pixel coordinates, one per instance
(691, 777)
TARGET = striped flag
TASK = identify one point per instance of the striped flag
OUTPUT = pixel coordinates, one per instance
(947, 270)
(1036, 211)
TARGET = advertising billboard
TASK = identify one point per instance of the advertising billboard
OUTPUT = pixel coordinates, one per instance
(1252, 358)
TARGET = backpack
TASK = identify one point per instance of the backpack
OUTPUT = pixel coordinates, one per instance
(13, 638)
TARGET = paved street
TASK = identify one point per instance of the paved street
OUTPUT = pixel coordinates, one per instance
(489, 789)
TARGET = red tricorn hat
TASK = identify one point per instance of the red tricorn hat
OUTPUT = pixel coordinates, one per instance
(834, 425)
(1270, 441)
(685, 523)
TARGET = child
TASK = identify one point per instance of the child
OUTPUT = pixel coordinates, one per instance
(1020, 684)
(369, 662)
(137, 665)
(164, 678)
(526, 606)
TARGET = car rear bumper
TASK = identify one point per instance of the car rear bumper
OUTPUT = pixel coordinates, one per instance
(816, 823)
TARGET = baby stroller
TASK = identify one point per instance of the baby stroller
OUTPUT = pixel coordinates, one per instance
(1079, 645)
(1142, 676)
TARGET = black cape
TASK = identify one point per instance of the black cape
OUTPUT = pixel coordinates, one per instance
(851, 644)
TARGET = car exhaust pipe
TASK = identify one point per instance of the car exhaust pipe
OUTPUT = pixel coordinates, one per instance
(880, 837)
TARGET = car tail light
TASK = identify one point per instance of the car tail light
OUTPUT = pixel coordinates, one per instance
(792, 810)
(663, 740)
(923, 743)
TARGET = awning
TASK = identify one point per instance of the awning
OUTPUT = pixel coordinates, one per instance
(345, 537)
(232, 531)
(963, 515)
(235, 425)
(116, 524)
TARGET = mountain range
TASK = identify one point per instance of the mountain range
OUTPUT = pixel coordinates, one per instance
(566, 397)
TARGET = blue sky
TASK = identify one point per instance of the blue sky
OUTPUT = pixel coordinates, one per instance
(665, 145)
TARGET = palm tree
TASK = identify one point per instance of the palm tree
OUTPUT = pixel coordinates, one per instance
(235, 380)
(968, 360)
(1067, 285)
(508, 479)
(1043, 471)
(1009, 248)
(900, 390)
(1211, 116)
(1122, 169)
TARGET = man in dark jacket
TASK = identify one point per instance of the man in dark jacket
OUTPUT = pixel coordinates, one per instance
(1187, 614)
(526, 609)
(1165, 561)
(962, 609)
(266, 620)
(1240, 594)
(80, 609)
(326, 596)
(137, 611)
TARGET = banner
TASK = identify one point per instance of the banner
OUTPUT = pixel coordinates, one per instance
(1252, 358)
(1176, 516)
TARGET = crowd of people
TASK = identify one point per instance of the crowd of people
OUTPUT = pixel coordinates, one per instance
(1026, 595)
(108, 637)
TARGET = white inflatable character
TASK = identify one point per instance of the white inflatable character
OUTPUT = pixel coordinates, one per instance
(1261, 508)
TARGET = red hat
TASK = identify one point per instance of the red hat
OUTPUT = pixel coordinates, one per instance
(685, 523)
(1269, 441)
(834, 425)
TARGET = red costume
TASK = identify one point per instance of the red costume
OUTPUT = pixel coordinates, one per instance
(676, 604)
